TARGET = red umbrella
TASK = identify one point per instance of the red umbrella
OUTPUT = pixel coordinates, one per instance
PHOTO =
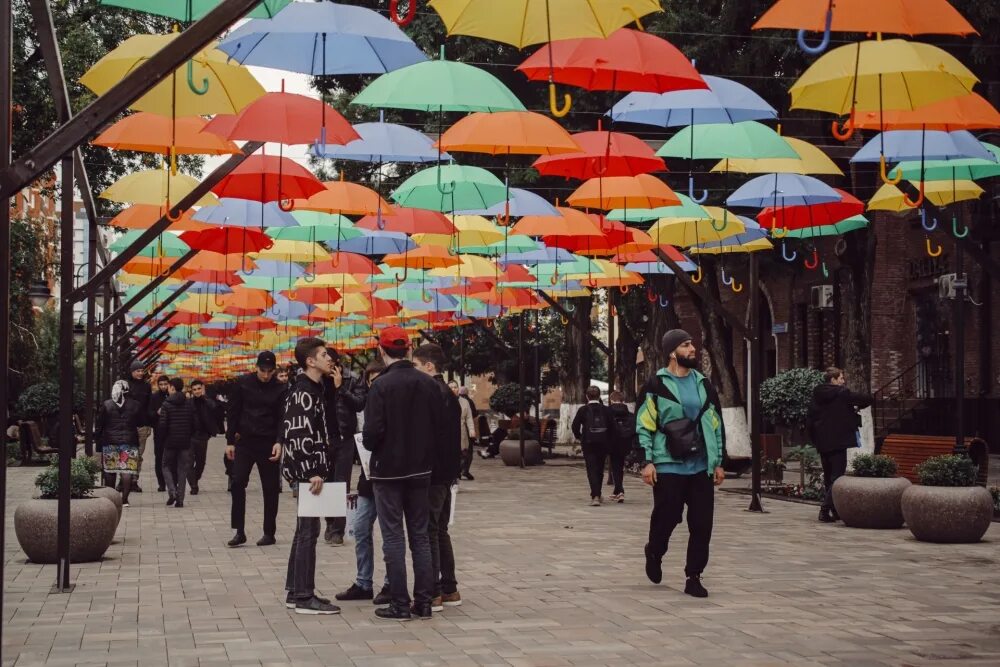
(346, 262)
(613, 234)
(286, 118)
(409, 221)
(649, 256)
(228, 240)
(799, 217)
(216, 277)
(313, 294)
(267, 178)
(187, 317)
(604, 154)
(625, 60)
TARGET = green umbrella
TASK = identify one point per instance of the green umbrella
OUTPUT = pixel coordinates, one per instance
(961, 169)
(193, 10)
(272, 283)
(514, 243)
(439, 85)
(320, 219)
(471, 188)
(687, 209)
(391, 274)
(576, 266)
(842, 227)
(315, 233)
(714, 141)
(167, 244)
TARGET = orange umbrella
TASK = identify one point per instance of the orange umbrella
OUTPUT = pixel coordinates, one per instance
(287, 118)
(346, 262)
(968, 112)
(508, 133)
(153, 266)
(247, 299)
(424, 257)
(345, 198)
(569, 222)
(144, 216)
(151, 133)
(901, 17)
(642, 191)
(613, 234)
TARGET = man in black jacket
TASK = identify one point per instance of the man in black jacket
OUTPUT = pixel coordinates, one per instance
(594, 426)
(175, 428)
(140, 392)
(340, 454)
(833, 422)
(256, 404)
(429, 358)
(404, 418)
(156, 400)
(206, 425)
(623, 442)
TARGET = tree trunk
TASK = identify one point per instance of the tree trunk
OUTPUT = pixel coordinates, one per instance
(717, 340)
(574, 373)
(855, 302)
(626, 349)
(661, 320)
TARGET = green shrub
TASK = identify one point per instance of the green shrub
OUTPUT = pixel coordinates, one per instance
(949, 470)
(38, 401)
(874, 465)
(505, 398)
(810, 470)
(81, 479)
(785, 398)
(13, 452)
(995, 492)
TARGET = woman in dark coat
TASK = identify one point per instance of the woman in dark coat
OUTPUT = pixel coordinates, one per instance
(117, 432)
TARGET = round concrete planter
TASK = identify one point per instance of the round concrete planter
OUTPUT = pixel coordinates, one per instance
(510, 452)
(112, 495)
(870, 502)
(93, 522)
(948, 514)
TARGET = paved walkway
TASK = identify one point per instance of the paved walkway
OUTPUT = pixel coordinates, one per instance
(546, 581)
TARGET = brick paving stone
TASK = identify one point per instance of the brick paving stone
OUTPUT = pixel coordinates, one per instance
(546, 580)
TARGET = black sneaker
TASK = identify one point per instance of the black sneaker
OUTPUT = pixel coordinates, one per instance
(291, 600)
(161, 489)
(422, 611)
(330, 531)
(393, 613)
(265, 541)
(238, 539)
(316, 607)
(824, 516)
(194, 489)
(468, 476)
(383, 597)
(654, 569)
(171, 500)
(179, 503)
(355, 592)
(694, 588)
(136, 488)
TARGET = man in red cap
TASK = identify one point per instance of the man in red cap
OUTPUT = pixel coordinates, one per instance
(404, 416)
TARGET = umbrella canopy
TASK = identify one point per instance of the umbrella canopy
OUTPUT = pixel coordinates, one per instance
(346, 198)
(686, 209)
(686, 232)
(245, 213)
(508, 133)
(210, 85)
(568, 222)
(968, 112)
(603, 154)
(144, 216)
(266, 178)
(799, 217)
(625, 60)
(424, 257)
(292, 251)
(154, 187)
(743, 243)
(747, 139)
(642, 191)
(471, 188)
(384, 142)
(962, 169)
(783, 190)
(323, 39)
(836, 229)
(890, 74)
(725, 101)
(940, 193)
(519, 202)
(166, 244)
(898, 145)
(287, 118)
(810, 160)
(346, 262)
(905, 17)
(378, 243)
(409, 221)
(192, 10)
(152, 133)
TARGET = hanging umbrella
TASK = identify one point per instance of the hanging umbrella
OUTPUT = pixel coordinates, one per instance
(144, 216)
(642, 191)
(266, 178)
(568, 222)
(604, 154)
(473, 188)
(810, 160)
(468, 266)
(423, 257)
(747, 139)
(228, 240)
(743, 243)
(814, 215)
(287, 118)
(836, 229)
(686, 209)
(783, 190)
(383, 142)
(153, 133)
(245, 213)
(687, 232)
(940, 193)
(330, 234)
(192, 10)
(155, 187)
(508, 133)
(410, 221)
(166, 244)
(899, 145)
(519, 202)
(323, 39)
(968, 112)
(961, 169)
(725, 101)
(347, 262)
(378, 243)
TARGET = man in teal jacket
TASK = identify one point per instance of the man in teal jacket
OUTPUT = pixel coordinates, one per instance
(677, 392)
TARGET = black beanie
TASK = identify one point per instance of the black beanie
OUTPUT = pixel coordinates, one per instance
(673, 339)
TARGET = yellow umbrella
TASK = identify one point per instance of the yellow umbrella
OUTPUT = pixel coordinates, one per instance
(209, 84)
(941, 193)
(469, 266)
(154, 187)
(293, 251)
(750, 246)
(810, 160)
(126, 278)
(686, 232)
(350, 303)
(472, 230)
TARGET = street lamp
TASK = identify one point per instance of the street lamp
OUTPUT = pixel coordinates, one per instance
(39, 293)
(79, 331)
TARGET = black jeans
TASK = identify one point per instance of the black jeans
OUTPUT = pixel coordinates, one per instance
(467, 455)
(301, 578)
(593, 456)
(270, 480)
(158, 451)
(670, 494)
(176, 469)
(395, 502)
(834, 467)
(199, 451)
(618, 470)
(342, 461)
(442, 554)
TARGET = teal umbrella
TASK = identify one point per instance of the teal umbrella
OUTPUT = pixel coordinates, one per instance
(193, 10)
(848, 225)
(748, 139)
(687, 209)
(960, 169)
(166, 244)
(470, 187)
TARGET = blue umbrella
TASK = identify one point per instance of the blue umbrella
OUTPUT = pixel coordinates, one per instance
(245, 213)
(541, 256)
(439, 303)
(205, 288)
(725, 101)
(522, 203)
(383, 142)
(378, 243)
(658, 268)
(323, 38)
(272, 268)
(900, 145)
(286, 309)
(782, 190)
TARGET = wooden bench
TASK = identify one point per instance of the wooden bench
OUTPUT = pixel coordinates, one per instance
(912, 450)
(31, 438)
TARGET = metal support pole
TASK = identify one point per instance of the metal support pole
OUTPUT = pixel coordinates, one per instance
(151, 362)
(146, 290)
(145, 336)
(153, 313)
(6, 100)
(753, 390)
(612, 321)
(520, 373)
(461, 353)
(67, 437)
(961, 287)
(107, 353)
(89, 377)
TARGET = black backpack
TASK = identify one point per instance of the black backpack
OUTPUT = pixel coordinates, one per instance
(596, 427)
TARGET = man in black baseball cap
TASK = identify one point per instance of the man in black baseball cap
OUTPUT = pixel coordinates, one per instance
(256, 405)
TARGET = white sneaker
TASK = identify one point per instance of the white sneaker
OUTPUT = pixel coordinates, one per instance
(595, 501)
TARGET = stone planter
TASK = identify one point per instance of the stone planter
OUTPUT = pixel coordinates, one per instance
(93, 522)
(870, 502)
(948, 514)
(112, 495)
(510, 452)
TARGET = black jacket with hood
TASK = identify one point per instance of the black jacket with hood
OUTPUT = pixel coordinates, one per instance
(833, 419)
(119, 425)
(448, 449)
(140, 392)
(303, 438)
(177, 421)
(255, 410)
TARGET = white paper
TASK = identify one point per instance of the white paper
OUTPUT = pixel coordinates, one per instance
(454, 497)
(364, 455)
(331, 501)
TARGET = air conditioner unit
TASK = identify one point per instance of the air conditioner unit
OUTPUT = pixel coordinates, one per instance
(946, 285)
(821, 296)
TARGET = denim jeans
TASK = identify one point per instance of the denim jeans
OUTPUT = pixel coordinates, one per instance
(176, 468)
(342, 463)
(442, 555)
(301, 578)
(364, 545)
(399, 501)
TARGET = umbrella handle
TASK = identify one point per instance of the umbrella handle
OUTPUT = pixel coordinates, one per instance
(918, 202)
(554, 280)
(569, 307)
(411, 13)
(776, 234)
(725, 221)
(664, 302)
(379, 220)
(697, 200)
(826, 272)
(287, 208)
(784, 253)
(812, 264)
(736, 287)
(825, 42)
(698, 276)
(554, 102)
(845, 132)
(923, 221)
(650, 295)
(190, 80)
(885, 174)
(954, 228)
(442, 188)
(591, 282)
(726, 280)
(425, 296)
(931, 252)
(406, 273)
(624, 289)
(564, 320)
(635, 17)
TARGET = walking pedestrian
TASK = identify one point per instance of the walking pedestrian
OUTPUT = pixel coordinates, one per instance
(156, 400)
(404, 418)
(305, 442)
(256, 404)
(680, 429)
(833, 422)
(624, 437)
(365, 514)
(593, 426)
(176, 428)
(470, 428)
(116, 431)
(429, 358)
(206, 426)
(140, 392)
